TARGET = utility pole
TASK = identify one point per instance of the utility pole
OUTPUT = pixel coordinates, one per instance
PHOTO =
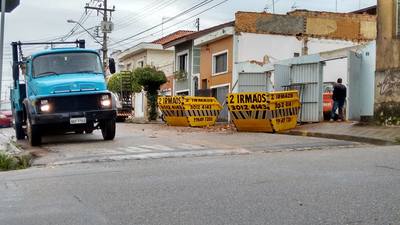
(105, 49)
(336, 6)
(3, 16)
(273, 6)
(106, 26)
(198, 24)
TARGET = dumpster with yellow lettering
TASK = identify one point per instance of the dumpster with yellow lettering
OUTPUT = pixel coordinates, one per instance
(264, 111)
(189, 111)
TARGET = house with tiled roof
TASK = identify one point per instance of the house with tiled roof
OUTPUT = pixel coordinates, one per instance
(173, 36)
(187, 61)
(151, 54)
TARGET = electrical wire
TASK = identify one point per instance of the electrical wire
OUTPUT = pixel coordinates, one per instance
(192, 17)
(141, 16)
(205, 2)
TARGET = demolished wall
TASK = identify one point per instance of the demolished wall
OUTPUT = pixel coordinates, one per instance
(339, 26)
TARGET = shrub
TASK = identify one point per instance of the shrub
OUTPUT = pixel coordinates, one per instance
(150, 79)
(115, 82)
(8, 162)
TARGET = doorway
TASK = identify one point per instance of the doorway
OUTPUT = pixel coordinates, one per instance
(220, 94)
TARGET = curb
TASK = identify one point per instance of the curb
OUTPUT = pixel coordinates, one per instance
(14, 149)
(342, 137)
(143, 122)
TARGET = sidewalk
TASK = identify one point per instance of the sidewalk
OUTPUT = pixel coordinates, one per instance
(350, 131)
(7, 144)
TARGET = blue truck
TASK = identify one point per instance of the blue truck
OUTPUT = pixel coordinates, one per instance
(60, 90)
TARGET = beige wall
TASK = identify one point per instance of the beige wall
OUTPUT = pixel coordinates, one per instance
(162, 60)
(133, 60)
(206, 59)
(340, 26)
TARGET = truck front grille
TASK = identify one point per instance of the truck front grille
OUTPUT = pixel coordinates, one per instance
(76, 103)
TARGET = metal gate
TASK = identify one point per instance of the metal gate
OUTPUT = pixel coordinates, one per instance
(220, 94)
(354, 98)
(254, 82)
(307, 78)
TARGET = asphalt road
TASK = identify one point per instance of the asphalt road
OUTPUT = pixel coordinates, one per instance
(347, 186)
(144, 141)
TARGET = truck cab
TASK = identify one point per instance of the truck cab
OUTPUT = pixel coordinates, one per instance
(64, 91)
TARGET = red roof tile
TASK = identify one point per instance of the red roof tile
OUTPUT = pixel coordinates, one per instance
(173, 36)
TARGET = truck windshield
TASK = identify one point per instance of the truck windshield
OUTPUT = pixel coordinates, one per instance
(65, 63)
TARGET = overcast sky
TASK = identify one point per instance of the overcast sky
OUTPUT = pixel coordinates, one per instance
(40, 20)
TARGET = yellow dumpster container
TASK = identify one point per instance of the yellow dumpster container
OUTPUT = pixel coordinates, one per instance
(190, 111)
(264, 111)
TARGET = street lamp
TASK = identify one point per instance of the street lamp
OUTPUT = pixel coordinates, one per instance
(94, 38)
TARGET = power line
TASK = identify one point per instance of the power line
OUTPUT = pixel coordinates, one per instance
(145, 11)
(149, 6)
(192, 17)
(84, 17)
(158, 32)
(205, 2)
(143, 14)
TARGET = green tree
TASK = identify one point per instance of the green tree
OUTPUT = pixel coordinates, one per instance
(150, 79)
(115, 83)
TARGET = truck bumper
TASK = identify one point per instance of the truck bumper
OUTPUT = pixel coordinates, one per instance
(64, 118)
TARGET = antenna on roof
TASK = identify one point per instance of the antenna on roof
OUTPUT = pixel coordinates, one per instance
(294, 6)
(266, 8)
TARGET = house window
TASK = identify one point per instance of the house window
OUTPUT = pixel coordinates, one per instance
(196, 60)
(220, 63)
(183, 93)
(182, 62)
(140, 64)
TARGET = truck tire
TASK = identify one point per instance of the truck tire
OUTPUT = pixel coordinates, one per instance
(80, 131)
(108, 129)
(89, 130)
(33, 133)
(19, 131)
(121, 119)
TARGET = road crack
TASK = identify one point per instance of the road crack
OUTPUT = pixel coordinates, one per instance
(388, 167)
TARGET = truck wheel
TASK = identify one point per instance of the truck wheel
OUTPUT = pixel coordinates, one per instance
(80, 131)
(89, 130)
(121, 119)
(108, 129)
(33, 133)
(19, 131)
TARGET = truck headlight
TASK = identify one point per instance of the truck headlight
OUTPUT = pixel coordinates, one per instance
(105, 101)
(44, 106)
